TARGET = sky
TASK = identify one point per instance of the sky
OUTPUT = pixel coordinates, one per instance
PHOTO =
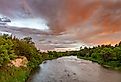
(64, 24)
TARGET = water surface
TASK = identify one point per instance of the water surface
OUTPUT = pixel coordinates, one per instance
(72, 69)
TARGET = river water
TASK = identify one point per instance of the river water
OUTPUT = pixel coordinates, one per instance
(72, 69)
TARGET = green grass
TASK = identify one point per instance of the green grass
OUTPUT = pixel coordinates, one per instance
(14, 74)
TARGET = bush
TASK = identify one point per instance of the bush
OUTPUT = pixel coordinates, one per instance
(6, 50)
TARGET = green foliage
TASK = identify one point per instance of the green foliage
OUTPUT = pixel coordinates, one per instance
(13, 74)
(6, 50)
(11, 48)
(117, 52)
(104, 54)
(25, 47)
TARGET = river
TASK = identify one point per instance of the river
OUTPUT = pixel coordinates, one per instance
(72, 69)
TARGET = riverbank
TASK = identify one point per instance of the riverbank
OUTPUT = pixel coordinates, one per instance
(108, 65)
(22, 73)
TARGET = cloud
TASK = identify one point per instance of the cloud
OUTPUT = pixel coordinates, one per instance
(89, 22)
(32, 23)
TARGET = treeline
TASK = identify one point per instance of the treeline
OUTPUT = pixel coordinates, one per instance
(12, 47)
(106, 55)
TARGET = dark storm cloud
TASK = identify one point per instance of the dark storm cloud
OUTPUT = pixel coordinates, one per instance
(64, 15)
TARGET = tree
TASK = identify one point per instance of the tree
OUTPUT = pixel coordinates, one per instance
(107, 54)
(117, 51)
(28, 40)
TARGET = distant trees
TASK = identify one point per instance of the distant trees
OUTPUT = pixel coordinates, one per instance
(104, 54)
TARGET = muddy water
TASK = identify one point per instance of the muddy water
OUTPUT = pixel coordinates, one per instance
(72, 69)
